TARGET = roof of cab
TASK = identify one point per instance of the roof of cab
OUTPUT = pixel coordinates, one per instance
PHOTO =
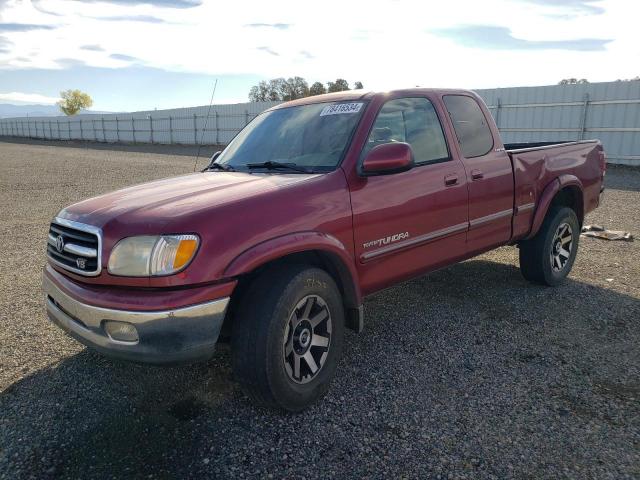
(327, 97)
(363, 95)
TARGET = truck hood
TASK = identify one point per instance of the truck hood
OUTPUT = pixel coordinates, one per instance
(158, 203)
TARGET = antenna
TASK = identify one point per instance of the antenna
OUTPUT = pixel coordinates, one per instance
(206, 120)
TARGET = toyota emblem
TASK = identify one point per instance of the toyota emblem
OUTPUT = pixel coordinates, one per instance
(60, 243)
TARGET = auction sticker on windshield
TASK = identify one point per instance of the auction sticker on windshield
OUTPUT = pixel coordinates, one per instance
(341, 108)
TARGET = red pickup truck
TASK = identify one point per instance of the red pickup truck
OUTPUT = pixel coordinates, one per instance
(314, 205)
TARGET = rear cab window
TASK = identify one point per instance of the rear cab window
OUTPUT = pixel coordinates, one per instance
(413, 121)
(470, 124)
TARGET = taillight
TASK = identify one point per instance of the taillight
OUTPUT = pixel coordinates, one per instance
(603, 161)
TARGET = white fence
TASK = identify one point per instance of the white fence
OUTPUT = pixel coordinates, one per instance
(178, 126)
(608, 111)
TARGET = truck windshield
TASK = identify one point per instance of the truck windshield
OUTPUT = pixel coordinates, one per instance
(313, 137)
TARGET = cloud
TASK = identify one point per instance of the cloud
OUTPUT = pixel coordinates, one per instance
(37, 4)
(23, 27)
(269, 51)
(92, 48)
(154, 3)
(123, 57)
(4, 45)
(132, 18)
(22, 97)
(580, 6)
(69, 62)
(278, 26)
(186, 45)
(500, 38)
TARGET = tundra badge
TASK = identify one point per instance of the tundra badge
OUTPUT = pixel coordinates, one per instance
(384, 241)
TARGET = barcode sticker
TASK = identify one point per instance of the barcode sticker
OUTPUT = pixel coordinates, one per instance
(340, 108)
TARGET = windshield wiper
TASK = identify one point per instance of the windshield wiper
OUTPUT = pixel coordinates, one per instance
(219, 166)
(273, 165)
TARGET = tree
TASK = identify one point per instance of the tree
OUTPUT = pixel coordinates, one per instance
(278, 89)
(339, 85)
(260, 92)
(274, 92)
(572, 81)
(281, 89)
(293, 88)
(267, 91)
(73, 101)
(317, 89)
(358, 86)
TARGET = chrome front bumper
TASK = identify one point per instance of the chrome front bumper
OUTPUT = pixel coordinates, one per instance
(171, 336)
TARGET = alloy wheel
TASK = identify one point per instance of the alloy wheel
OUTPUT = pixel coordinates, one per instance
(307, 339)
(561, 247)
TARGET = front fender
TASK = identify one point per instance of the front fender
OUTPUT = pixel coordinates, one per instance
(280, 247)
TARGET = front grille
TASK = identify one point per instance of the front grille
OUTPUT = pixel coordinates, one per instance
(74, 246)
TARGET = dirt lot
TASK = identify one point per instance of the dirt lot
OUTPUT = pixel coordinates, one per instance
(469, 372)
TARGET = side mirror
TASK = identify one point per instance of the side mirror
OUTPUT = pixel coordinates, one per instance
(388, 158)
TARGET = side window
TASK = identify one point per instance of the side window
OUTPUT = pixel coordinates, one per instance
(414, 121)
(470, 124)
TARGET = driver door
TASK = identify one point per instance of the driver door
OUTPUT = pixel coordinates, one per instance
(411, 222)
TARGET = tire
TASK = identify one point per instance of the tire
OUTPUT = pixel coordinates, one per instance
(544, 259)
(283, 315)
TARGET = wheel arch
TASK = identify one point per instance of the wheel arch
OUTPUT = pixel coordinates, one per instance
(565, 190)
(313, 248)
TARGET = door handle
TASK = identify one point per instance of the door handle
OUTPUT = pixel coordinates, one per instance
(450, 180)
(476, 175)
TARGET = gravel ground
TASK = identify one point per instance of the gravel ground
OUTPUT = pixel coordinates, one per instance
(469, 372)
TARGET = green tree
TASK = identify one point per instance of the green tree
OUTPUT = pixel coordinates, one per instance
(358, 86)
(72, 101)
(260, 92)
(267, 90)
(285, 89)
(276, 87)
(293, 88)
(339, 85)
(317, 89)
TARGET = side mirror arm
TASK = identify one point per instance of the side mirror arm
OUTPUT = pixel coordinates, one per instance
(212, 159)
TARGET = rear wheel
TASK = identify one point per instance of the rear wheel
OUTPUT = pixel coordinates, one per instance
(287, 337)
(548, 257)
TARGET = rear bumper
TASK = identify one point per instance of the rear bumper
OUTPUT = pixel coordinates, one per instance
(169, 336)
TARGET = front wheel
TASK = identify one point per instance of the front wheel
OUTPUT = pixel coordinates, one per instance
(548, 257)
(287, 337)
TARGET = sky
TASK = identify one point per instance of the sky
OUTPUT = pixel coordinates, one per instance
(144, 54)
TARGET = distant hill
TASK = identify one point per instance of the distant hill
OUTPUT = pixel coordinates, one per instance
(9, 110)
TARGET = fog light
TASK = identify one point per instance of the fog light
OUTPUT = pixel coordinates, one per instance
(121, 331)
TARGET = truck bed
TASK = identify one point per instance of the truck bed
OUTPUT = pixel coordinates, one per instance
(528, 146)
(536, 165)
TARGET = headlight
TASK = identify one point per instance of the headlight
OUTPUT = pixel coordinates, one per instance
(152, 255)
